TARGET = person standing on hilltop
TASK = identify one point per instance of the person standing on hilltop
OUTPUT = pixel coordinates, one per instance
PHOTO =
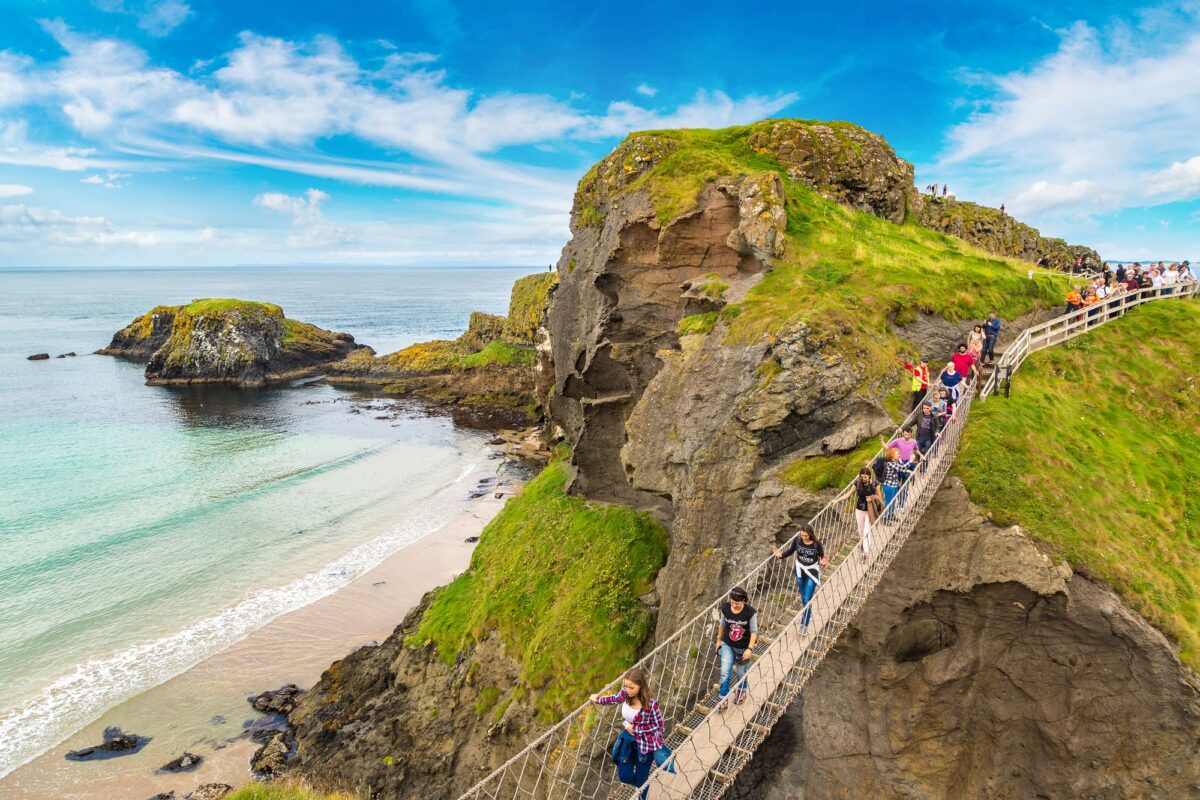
(1003, 213)
(945, 189)
(810, 557)
(991, 334)
(920, 379)
(640, 743)
(736, 636)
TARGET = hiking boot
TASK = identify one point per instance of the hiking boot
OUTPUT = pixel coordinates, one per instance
(740, 696)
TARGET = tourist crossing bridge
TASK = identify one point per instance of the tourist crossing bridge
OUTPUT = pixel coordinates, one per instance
(711, 746)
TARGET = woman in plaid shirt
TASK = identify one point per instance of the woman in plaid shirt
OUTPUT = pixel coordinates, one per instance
(644, 726)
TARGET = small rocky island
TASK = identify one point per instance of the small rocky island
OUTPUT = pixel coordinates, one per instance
(240, 343)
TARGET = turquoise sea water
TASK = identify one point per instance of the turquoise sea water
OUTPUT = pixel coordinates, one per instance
(144, 528)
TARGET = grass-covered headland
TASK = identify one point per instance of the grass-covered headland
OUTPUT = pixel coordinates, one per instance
(558, 579)
(1096, 455)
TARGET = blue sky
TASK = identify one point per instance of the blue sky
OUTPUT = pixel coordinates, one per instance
(205, 132)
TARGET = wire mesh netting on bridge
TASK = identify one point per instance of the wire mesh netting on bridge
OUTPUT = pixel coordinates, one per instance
(711, 746)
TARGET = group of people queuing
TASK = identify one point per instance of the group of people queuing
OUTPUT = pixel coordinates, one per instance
(1107, 288)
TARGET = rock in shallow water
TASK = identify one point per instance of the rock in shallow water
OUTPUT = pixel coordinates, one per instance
(38, 357)
(185, 763)
(116, 743)
(279, 701)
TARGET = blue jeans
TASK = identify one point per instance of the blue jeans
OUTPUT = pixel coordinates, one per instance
(806, 586)
(732, 666)
(888, 493)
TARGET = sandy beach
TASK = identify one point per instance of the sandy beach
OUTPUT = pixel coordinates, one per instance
(203, 709)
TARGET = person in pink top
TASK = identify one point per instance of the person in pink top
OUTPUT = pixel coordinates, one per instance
(905, 443)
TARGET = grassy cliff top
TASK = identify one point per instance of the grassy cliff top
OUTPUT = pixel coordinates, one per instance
(1096, 455)
(558, 579)
(223, 305)
(842, 269)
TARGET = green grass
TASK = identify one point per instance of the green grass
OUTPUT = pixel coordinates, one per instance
(558, 579)
(218, 305)
(1096, 455)
(284, 790)
(498, 353)
(829, 472)
(527, 306)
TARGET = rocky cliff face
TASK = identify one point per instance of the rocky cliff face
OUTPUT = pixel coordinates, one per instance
(492, 367)
(236, 342)
(999, 233)
(397, 722)
(979, 667)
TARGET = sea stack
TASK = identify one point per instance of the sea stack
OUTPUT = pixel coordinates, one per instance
(239, 343)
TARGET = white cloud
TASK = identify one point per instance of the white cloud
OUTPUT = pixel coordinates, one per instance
(51, 227)
(306, 215)
(103, 82)
(1181, 180)
(159, 19)
(16, 149)
(14, 80)
(647, 90)
(1100, 124)
(276, 103)
(1044, 196)
(110, 181)
(14, 190)
(155, 17)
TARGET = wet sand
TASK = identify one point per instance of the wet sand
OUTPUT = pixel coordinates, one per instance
(200, 710)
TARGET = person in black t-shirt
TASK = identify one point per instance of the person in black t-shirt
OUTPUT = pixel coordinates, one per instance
(736, 636)
(810, 557)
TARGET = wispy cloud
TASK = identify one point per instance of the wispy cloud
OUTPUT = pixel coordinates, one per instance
(155, 17)
(51, 227)
(647, 90)
(14, 190)
(278, 103)
(1106, 121)
(312, 227)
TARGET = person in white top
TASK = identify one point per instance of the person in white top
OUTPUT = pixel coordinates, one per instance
(1169, 278)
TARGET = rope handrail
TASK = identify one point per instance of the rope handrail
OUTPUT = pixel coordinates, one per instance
(709, 746)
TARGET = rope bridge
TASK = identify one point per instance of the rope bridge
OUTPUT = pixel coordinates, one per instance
(711, 746)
